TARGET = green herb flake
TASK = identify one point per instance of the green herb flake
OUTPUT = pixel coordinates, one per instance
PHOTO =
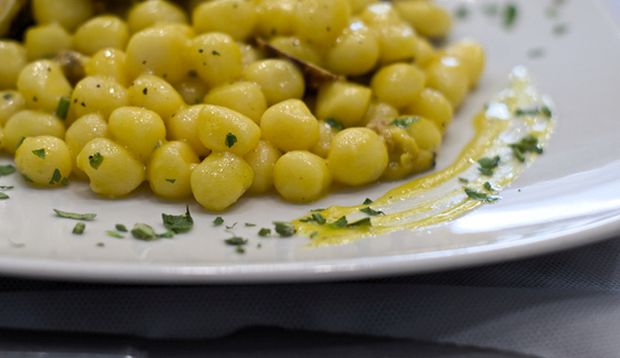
(560, 29)
(360, 223)
(218, 221)
(178, 223)
(464, 180)
(3, 196)
(340, 223)
(404, 122)
(100, 244)
(171, 181)
(27, 178)
(39, 153)
(215, 53)
(284, 229)
(114, 234)
(168, 234)
(510, 14)
(56, 177)
(63, 107)
(95, 160)
(7, 169)
(528, 144)
(231, 139)
(544, 110)
(143, 232)
(249, 225)
(368, 201)
(369, 211)
(264, 232)
(314, 217)
(238, 242)
(121, 228)
(6, 187)
(79, 228)
(489, 187)
(476, 195)
(488, 165)
(335, 124)
(75, 216)
(462, 12)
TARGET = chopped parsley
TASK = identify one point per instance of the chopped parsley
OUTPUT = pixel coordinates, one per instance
(462, 12)
(560, 29)
(314, 217)
(249, 225)
(120, 227)
(95, 160)
(231, 139)
(489, 187)
(340, 223)
(39, 153)
(218, 221)
(544, 110)
(404, 122)
(114, 234)
(238, 242)
(529, 144)
(56, 177)
(178, 223)
(63, 107)
(368, 210)
(75, 216)
(488, 165)
(335, 124)
(171, 181)
(3, 196)
(6, 187)
(79, 228)
(510, 14)
(143, 232)
(264, 232)
(464, 180)
(215, 53)
(368, 201)
(284, 229)
(476, 195)
(6, 169)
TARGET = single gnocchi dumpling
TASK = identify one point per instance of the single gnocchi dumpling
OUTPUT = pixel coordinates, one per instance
(170, 168)
(279, 79)
(345, 102)
(290, 125)
(398, 84)
(243, 97)
(262, 159)
(99, 33)
(220, 180)
(43, 84)
(11, 102)
(236, 18)
(222, 129)
(112, 170)
(82, 131)
(14, 59)
(216, 58)
(44, 161)
(154, 93)
(152, 12)
(183, 126)
(29, 123)
(138, 129)
(97, 95)
(300, 176)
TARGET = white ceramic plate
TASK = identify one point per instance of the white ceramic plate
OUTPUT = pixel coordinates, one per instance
(570, 196)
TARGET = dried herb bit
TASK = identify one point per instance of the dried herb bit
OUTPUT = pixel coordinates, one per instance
(100, 244)
(488, 165)
(560, 29)
(218, 221)
(120, 227)
(39, 153)
(231, 139)
(314, 217)
(75, 216)
(249, 225)
(56, 177)
(489, 187)
(79, 228)
(511, 13)
(404, 122)
(462, 12)
(476, 195)
(6, 170)
(264, 232)
(230, 227)
(340, 223)
(284, 229)
(114, 234)
(337, 125)
(171, 181)
(143, 232)
(3, 196)
(369, 211)
(238, 242)
(543, 110)
(178, 223)
(528, 144)
(368, 201)
(95, 160)
(6, 187)
(464, 180)
(63, 107)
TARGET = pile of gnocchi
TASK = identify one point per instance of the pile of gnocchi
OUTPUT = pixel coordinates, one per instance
(216, 99)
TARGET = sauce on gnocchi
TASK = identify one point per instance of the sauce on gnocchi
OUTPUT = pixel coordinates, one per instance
(184, 97)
